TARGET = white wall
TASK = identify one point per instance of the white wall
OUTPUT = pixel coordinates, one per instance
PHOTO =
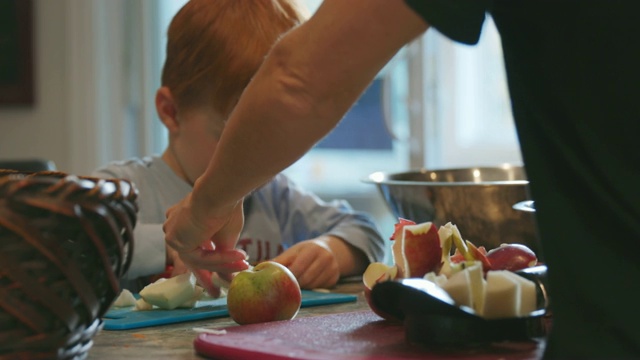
(43, 130)
(93, 60)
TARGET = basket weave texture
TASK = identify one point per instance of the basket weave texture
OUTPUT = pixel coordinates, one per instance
(65, 241)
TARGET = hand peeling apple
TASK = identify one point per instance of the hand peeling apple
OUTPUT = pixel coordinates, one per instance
(474, 277)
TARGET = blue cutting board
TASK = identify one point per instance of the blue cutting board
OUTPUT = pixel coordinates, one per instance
(127, 318)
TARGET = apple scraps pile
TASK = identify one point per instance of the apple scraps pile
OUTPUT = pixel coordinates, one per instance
(179, 291)
(474, 277)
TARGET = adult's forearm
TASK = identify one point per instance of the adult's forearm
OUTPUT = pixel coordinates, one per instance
(305, 86)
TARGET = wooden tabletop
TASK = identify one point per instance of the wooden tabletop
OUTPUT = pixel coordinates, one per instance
(175, 341)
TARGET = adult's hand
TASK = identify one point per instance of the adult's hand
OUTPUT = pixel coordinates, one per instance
(207, 244)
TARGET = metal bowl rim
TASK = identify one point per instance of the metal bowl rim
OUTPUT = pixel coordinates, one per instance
(370, 179)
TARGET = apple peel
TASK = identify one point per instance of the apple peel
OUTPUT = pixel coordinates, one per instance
(375, 273)
(418, 251)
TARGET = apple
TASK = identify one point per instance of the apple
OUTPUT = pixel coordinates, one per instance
(375, 273)
(170, 293)
(512, 257)
(267, 292)
(418, 251)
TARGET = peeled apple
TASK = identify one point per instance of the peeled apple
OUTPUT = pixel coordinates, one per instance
(170, 293)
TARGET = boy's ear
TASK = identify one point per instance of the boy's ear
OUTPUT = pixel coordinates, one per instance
(167, 109)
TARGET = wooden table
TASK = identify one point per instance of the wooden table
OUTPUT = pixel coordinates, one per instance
(176, 341)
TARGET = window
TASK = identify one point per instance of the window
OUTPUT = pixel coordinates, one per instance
(468, 112)
(446, 105)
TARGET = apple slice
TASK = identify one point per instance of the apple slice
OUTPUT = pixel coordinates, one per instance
(142, 305)
(125, 299)
(528, 295)
(198, 293)
(479, 254)
(503, 295)
(478, 286)
(459, 288)
(468, 287)
(418, 250)
(446, 243)
(435, 278)
(512, 257)
(375, 273)
(170, 293)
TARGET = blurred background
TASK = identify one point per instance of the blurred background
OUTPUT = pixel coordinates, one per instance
(96, 66)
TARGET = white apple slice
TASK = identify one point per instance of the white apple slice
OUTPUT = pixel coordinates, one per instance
(170, 293)
(142, 305)
(459, 288)
(528, 296)
(478, 286)
(437, 279)
(502, 295)
(125, 299)
(198, 294)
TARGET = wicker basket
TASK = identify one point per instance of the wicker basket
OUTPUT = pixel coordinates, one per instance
(65, 241)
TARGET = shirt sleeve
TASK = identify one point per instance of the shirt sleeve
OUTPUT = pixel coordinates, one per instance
(459, 20)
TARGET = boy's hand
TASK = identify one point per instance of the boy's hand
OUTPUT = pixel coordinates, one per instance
(312, 262)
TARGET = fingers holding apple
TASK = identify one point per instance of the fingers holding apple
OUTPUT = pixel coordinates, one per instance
(268, 292)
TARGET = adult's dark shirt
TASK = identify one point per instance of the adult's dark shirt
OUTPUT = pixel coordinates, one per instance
(573, 69)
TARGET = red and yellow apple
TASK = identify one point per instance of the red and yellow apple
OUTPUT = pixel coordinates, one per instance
(267, 292)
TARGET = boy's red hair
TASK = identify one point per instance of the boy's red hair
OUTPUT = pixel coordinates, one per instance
(214, 47)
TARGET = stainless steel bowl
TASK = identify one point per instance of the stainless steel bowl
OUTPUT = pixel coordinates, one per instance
(478, 200)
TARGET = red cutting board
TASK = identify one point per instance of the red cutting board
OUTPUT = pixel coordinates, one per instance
(353, 335)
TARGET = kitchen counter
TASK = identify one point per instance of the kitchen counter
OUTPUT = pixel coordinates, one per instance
(175, 341)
